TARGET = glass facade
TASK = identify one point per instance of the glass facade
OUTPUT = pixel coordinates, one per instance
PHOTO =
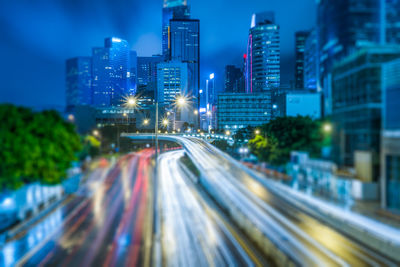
(234, 79)
(241, 110)
(147, 75)
(176, 10)
(78, 79)
(172, 81)
(185, 47)
(357, 102)
(311, 61)
(300, 41)
(263, 60)
(111, 72)
(393, 182)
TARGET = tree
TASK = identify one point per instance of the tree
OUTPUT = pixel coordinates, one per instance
(35, 146)
(284, 134)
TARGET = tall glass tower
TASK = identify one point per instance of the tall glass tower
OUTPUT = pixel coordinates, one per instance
(111, 72)
(185, 47)
(263, 54)
(173, 9)
(78, 78)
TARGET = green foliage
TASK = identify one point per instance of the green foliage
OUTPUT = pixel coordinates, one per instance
(282, 135)
(35, 146)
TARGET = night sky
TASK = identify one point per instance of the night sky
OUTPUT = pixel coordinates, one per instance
(37, 36)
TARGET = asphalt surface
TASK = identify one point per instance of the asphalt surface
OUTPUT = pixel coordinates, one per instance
(192, 233)
(105, 224)
(307, 239)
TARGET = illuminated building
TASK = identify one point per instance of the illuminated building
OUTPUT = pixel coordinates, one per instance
(263, 55)
(300, 41)
(78, 79)
(390, 138)
(172, 9)
(111, 72)
(234, 80)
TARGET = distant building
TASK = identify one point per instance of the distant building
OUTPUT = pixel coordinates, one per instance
(172, 81)
(239, 110)
(133, 73)
(147, 75)
(234, 80)
(297, 103)
(111, 72)
(185, 47)
(172, 9)
(300, 42)
(357, 103)
(390, 154)
(263, 54)
(78, 79)
(311, 62)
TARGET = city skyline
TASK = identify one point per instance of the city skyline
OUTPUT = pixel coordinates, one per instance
(46, 57)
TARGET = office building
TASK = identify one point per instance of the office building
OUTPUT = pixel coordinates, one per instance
(391, 24)
(172, 9)
(133, 73)
(311, 60)
(234, 80)
(239, 110)
(185, 47)
(147, 75)
(172, 81)
(300, 42)
(343, 28)
(111, 72)
(390, 154)
(78, 81)
(297, 103)
(356, 113)
(263, 54)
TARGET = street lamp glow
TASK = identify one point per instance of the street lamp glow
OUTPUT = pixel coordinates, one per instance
(327, 128)
(209, 113)
(124, 114)
(228, 133)
(212, 76)
(130, 102)
(96, 133)
(181, 101)
(195, 112)
(146, 121)
(257, 132)
(165, 122)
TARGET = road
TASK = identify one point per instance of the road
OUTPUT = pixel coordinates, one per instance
(192, 232)
(306, 240)
(108, 223)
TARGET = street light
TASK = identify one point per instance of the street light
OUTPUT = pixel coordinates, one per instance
(257, 132)
(195, 112)
(228, 133)
(181, 101)
(146, 121)
(327, 127)
(96, 133)
(165, 122)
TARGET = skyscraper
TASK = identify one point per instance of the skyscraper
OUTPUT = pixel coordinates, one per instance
(185, 47)
(234, 82)
(263, 54)
(172, 9)
(111, 72)
(133, 73)
(172, 81)
(147, 75)
(300, 40)
(311, 60)
(357, 107)
(392, 21)
(78, 79)
(343, 27)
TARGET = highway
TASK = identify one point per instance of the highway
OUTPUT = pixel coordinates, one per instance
(306, 240)
(192, 233)
(107, 223)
